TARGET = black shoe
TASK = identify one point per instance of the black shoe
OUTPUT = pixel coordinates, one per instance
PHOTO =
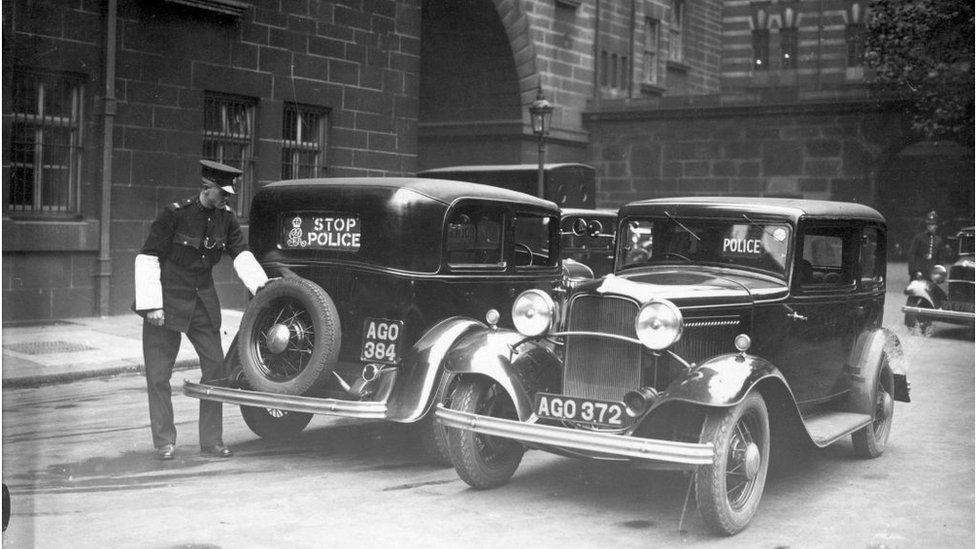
(165, 452)
(217, 450)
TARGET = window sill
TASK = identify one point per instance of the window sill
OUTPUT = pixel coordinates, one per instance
(50, 235)
(648, 88)
(235, 8)
(678, 66)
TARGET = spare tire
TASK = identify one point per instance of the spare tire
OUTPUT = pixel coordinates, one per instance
(289, 337)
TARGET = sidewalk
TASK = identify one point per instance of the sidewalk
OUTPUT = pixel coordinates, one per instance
(79, 348)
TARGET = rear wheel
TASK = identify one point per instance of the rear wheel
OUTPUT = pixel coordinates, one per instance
(729, 490)
(870, 442)
(289, 337)
(274, 424)
(480, 460)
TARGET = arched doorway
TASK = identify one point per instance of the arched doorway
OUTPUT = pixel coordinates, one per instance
(925, 176)
(471, 101)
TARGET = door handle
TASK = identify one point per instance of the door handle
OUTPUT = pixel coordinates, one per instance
(796, 317)
(860, 310)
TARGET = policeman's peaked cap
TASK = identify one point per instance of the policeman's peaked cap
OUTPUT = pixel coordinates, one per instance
(932, 218)
(221, 175)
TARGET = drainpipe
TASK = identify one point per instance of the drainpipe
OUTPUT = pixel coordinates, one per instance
(633, 30)
(597, 92)
(105, 219)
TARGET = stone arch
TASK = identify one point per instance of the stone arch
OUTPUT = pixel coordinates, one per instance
(517, 28)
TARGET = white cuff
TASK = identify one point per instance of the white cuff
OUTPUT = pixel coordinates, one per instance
(249, 271)
(149, 290)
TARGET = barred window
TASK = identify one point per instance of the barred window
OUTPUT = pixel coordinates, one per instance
(788, 47)
(303, 141)
(677, 13)
(760, 49)
(228, 138)
(855, 44)
(45, 144)
(651, 46)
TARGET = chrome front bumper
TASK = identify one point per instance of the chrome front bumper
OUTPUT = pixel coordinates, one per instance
(291, 403)
(687, 453)
(940, 314)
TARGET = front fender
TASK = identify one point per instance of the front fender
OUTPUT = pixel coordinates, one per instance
(722, 381)
(420, 371)
(921, 289)
(491, 353)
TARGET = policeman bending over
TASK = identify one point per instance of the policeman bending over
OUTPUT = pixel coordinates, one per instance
(175, 293)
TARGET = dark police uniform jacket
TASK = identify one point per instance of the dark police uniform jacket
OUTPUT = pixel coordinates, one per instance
(189, 240)
(925, 252)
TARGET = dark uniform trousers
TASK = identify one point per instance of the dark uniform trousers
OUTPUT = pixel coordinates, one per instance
(160, 346)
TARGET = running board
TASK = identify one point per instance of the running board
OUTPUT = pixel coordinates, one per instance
(827, 427)
(291, 403)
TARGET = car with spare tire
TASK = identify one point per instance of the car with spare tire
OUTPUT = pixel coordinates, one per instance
(730, 329)
(372, 281)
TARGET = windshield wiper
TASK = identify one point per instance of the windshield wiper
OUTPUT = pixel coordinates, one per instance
(754, 224)
(689, 231)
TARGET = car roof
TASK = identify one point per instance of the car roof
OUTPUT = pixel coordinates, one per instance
(601, 212)
(502, 168)
(793, 208)
(441, 190)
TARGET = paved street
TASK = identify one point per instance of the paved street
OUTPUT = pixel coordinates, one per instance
(76, 458)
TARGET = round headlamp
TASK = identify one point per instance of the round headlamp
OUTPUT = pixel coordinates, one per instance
(533, 313)
(938, 274)
(659, 324)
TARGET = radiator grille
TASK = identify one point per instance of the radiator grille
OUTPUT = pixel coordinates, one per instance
(599, 367)
(606, 369)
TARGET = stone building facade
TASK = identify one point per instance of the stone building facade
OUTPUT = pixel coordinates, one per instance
(109, 104)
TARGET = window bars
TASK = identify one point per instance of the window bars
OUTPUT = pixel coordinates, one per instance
(303, 136)
(228, 138)
(45, 144)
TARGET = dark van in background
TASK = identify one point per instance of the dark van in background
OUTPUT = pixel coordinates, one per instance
(568, 185)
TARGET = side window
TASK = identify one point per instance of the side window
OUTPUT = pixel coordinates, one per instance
(872, 258)
(475, 237)
(532, 237)
(826, 260)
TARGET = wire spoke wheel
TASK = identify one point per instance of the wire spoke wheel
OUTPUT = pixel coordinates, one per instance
(728, 491)
(289, 337)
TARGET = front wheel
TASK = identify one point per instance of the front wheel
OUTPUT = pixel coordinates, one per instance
(870, 442)
(274, 424)
(728, 491)
(480, 460)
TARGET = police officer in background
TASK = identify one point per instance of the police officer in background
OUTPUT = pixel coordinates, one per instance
(175, 293)
(926, 249)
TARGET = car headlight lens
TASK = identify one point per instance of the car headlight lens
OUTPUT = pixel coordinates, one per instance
(938, 274)
(533, 313)
(659, 324)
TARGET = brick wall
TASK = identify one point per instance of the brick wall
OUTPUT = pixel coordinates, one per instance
(810, 150)
(360, 61)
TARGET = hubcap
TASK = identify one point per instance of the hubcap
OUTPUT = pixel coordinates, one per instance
(752, 460)
(277, 338)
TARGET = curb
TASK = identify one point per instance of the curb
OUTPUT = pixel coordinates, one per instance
(68, 377)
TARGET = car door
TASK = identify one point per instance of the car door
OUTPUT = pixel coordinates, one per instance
(824, 312)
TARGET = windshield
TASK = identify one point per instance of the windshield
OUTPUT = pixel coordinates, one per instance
(743, 243)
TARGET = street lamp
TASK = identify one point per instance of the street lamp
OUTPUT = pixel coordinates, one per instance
(540, 111)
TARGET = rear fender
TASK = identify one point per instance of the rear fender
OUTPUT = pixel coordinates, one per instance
(419, 374)
(866, 361)
(493, 354)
